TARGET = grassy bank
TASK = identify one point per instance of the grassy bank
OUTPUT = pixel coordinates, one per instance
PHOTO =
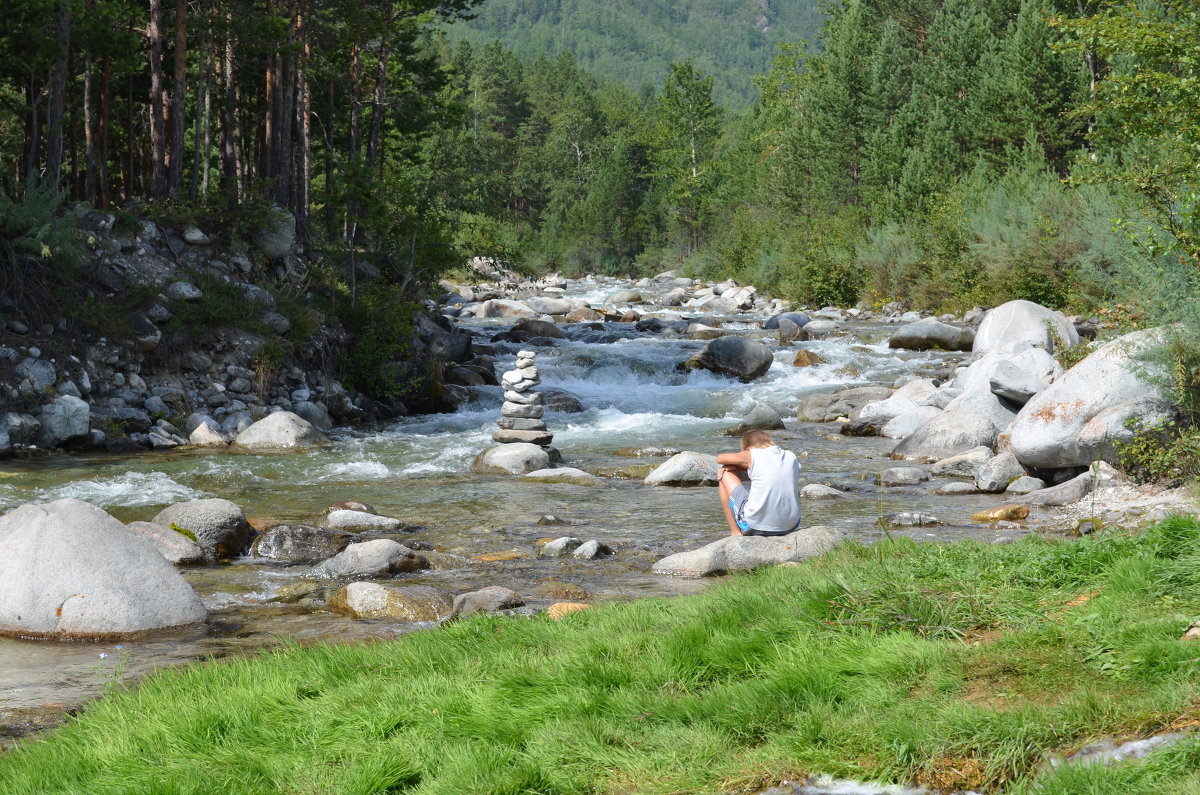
(955, 666)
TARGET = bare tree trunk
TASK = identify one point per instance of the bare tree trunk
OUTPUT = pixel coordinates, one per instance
(158, 134)
(102, 131)
(380, 89)
(207, 157)
(178, 100)
(89, 140)
(58, 94)
(304, 128)
(229, 175)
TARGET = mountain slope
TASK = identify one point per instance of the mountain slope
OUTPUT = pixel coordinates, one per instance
(633, 41)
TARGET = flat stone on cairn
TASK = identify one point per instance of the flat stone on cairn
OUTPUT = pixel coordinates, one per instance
(521, 415)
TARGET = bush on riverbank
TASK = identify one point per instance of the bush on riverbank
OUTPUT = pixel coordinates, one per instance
(953, 665)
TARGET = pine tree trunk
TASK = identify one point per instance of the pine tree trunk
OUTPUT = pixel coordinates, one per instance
(229, 165)
(178, 97)
(287, 113)
(327, 129)
(304, 129)
(102, 132)
(198, 123)
(58, 93)
(380, 89)
(33, 130)
(89, 140)
(158, 133)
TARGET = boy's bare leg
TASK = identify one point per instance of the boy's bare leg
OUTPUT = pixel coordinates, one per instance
(727, 481)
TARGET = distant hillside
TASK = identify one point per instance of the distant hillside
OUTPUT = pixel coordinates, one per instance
(632, 41)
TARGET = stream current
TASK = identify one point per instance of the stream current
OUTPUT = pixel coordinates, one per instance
(418, 470)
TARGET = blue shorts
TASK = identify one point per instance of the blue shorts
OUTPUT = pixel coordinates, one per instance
(737, 505)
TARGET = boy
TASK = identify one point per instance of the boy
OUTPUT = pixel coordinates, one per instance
(770, 506)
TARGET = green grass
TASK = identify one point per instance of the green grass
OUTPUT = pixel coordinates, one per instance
(954, 665)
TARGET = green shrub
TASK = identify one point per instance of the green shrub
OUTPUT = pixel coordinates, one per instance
(39, 252)
(1163, 453)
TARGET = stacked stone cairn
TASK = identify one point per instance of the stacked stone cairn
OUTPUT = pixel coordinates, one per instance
(521, 415)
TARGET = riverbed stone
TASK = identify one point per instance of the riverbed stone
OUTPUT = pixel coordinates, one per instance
(206, 435)
(902, 476)
(64, 419)
(486, 600)
(731, 355)
(1020, 323)
(1025, 484)
(760, 417)
(560, 547)
(963, 465)
(820, 328)
(1048, 433)
(376, 558)
(552, 306)
(314, 414)
(930, 333)
(950, 433)
(178, 549)
(910, 519)
(70, 570)
(41, 374)
(741, 553)
(522, 411)
(219, 525)
(959, 487)
(1009, 381)
(571, 475)
(282, 430)
(1003, 513)
(353, 521)
(819, 491)
(562, 401)
(590, 550)
(300, 543)
(404, 603)
(536, 327)
(521, 423)
(850, 401)
(1067, 493)
(505, 436)
(807, 358)
(997, 472)
(685, 469)
(511, 459)
(904, 425)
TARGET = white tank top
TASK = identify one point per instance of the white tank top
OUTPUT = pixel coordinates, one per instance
(774, 504)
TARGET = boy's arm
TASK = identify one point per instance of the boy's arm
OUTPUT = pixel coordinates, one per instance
(735, 460)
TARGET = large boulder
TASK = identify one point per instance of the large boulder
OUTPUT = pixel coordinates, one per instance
(930, 333)
(376, 558)
(64, 419)
(1048, 433)
(948, 434)
(282, 430)
(1021, 323)
(685, 469)
(516, 458)
(994, 476)
(760, 417)
(276, 238)
(300, 543)
(915, 394)
(740, 553)
(69, 570)
(405, 603)
(963, 465)
(178, 549)
(799, 318)
(904, 425)
(219, 526)
(538, 328)
(732, 355)
(553, 306)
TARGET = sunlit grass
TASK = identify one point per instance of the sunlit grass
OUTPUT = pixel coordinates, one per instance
(952, 665)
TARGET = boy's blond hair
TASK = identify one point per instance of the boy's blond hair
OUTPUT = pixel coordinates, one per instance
(756, 438)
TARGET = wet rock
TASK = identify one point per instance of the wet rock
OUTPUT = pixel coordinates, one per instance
(353, 521)
(760, 417)
(806, 358)
(815, 407)
(949, 434)
(570, 475)
(733, 356)
(820, 329)
(849, 401)
(626, 297)
(498, 307)
(957, 488)
(902, 476)
(790, 332)
(1051, 431)
(560, 547)
(282, 430)
(376, 558)
(300, 543)
(799, 318)
(69, 570)
(538, 328)
(590, 550)
(486, 600)
(1003, 513)
(206, 435)
(929, 333)
(911, 519)
(219, 525)
(1020, 323)
(819, 491)
(504, 436)
(404, 603)
(178, 549)
(1025, 485)
(511, 459)
(994, 476)
(65, 419)
(562, 401)
(313, 414)
(963, 465)
(552, 306)
(685, 469)
(741, 553)
(863, 426)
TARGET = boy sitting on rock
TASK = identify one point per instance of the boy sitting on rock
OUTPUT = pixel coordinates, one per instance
(771, 505)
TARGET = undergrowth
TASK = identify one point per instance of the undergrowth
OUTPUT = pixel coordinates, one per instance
(959, 666)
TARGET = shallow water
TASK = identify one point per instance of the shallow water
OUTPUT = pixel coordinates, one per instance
(418, 470)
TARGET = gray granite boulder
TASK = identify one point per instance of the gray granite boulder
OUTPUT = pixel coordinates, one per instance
(1049, 431)
(685, 469)
(68, 570)
(352, 521)
(516, 458)
(963, 465)
(760, 417)
(486, 600)
(819, 491)
(929, 333)
(742, 553)
(219, 525)
(282, 430)
(178, 549)
(994, 476)
(590, 550)
(904, 425)
(1012, 383)
(300, 543)
(1025, 485)
(1020, 323)
(377, 558)
(948, 434)
(64, 419)
(403, 603)
(1067, 493)
(560, 547)
(731, 355)
(902, 476)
